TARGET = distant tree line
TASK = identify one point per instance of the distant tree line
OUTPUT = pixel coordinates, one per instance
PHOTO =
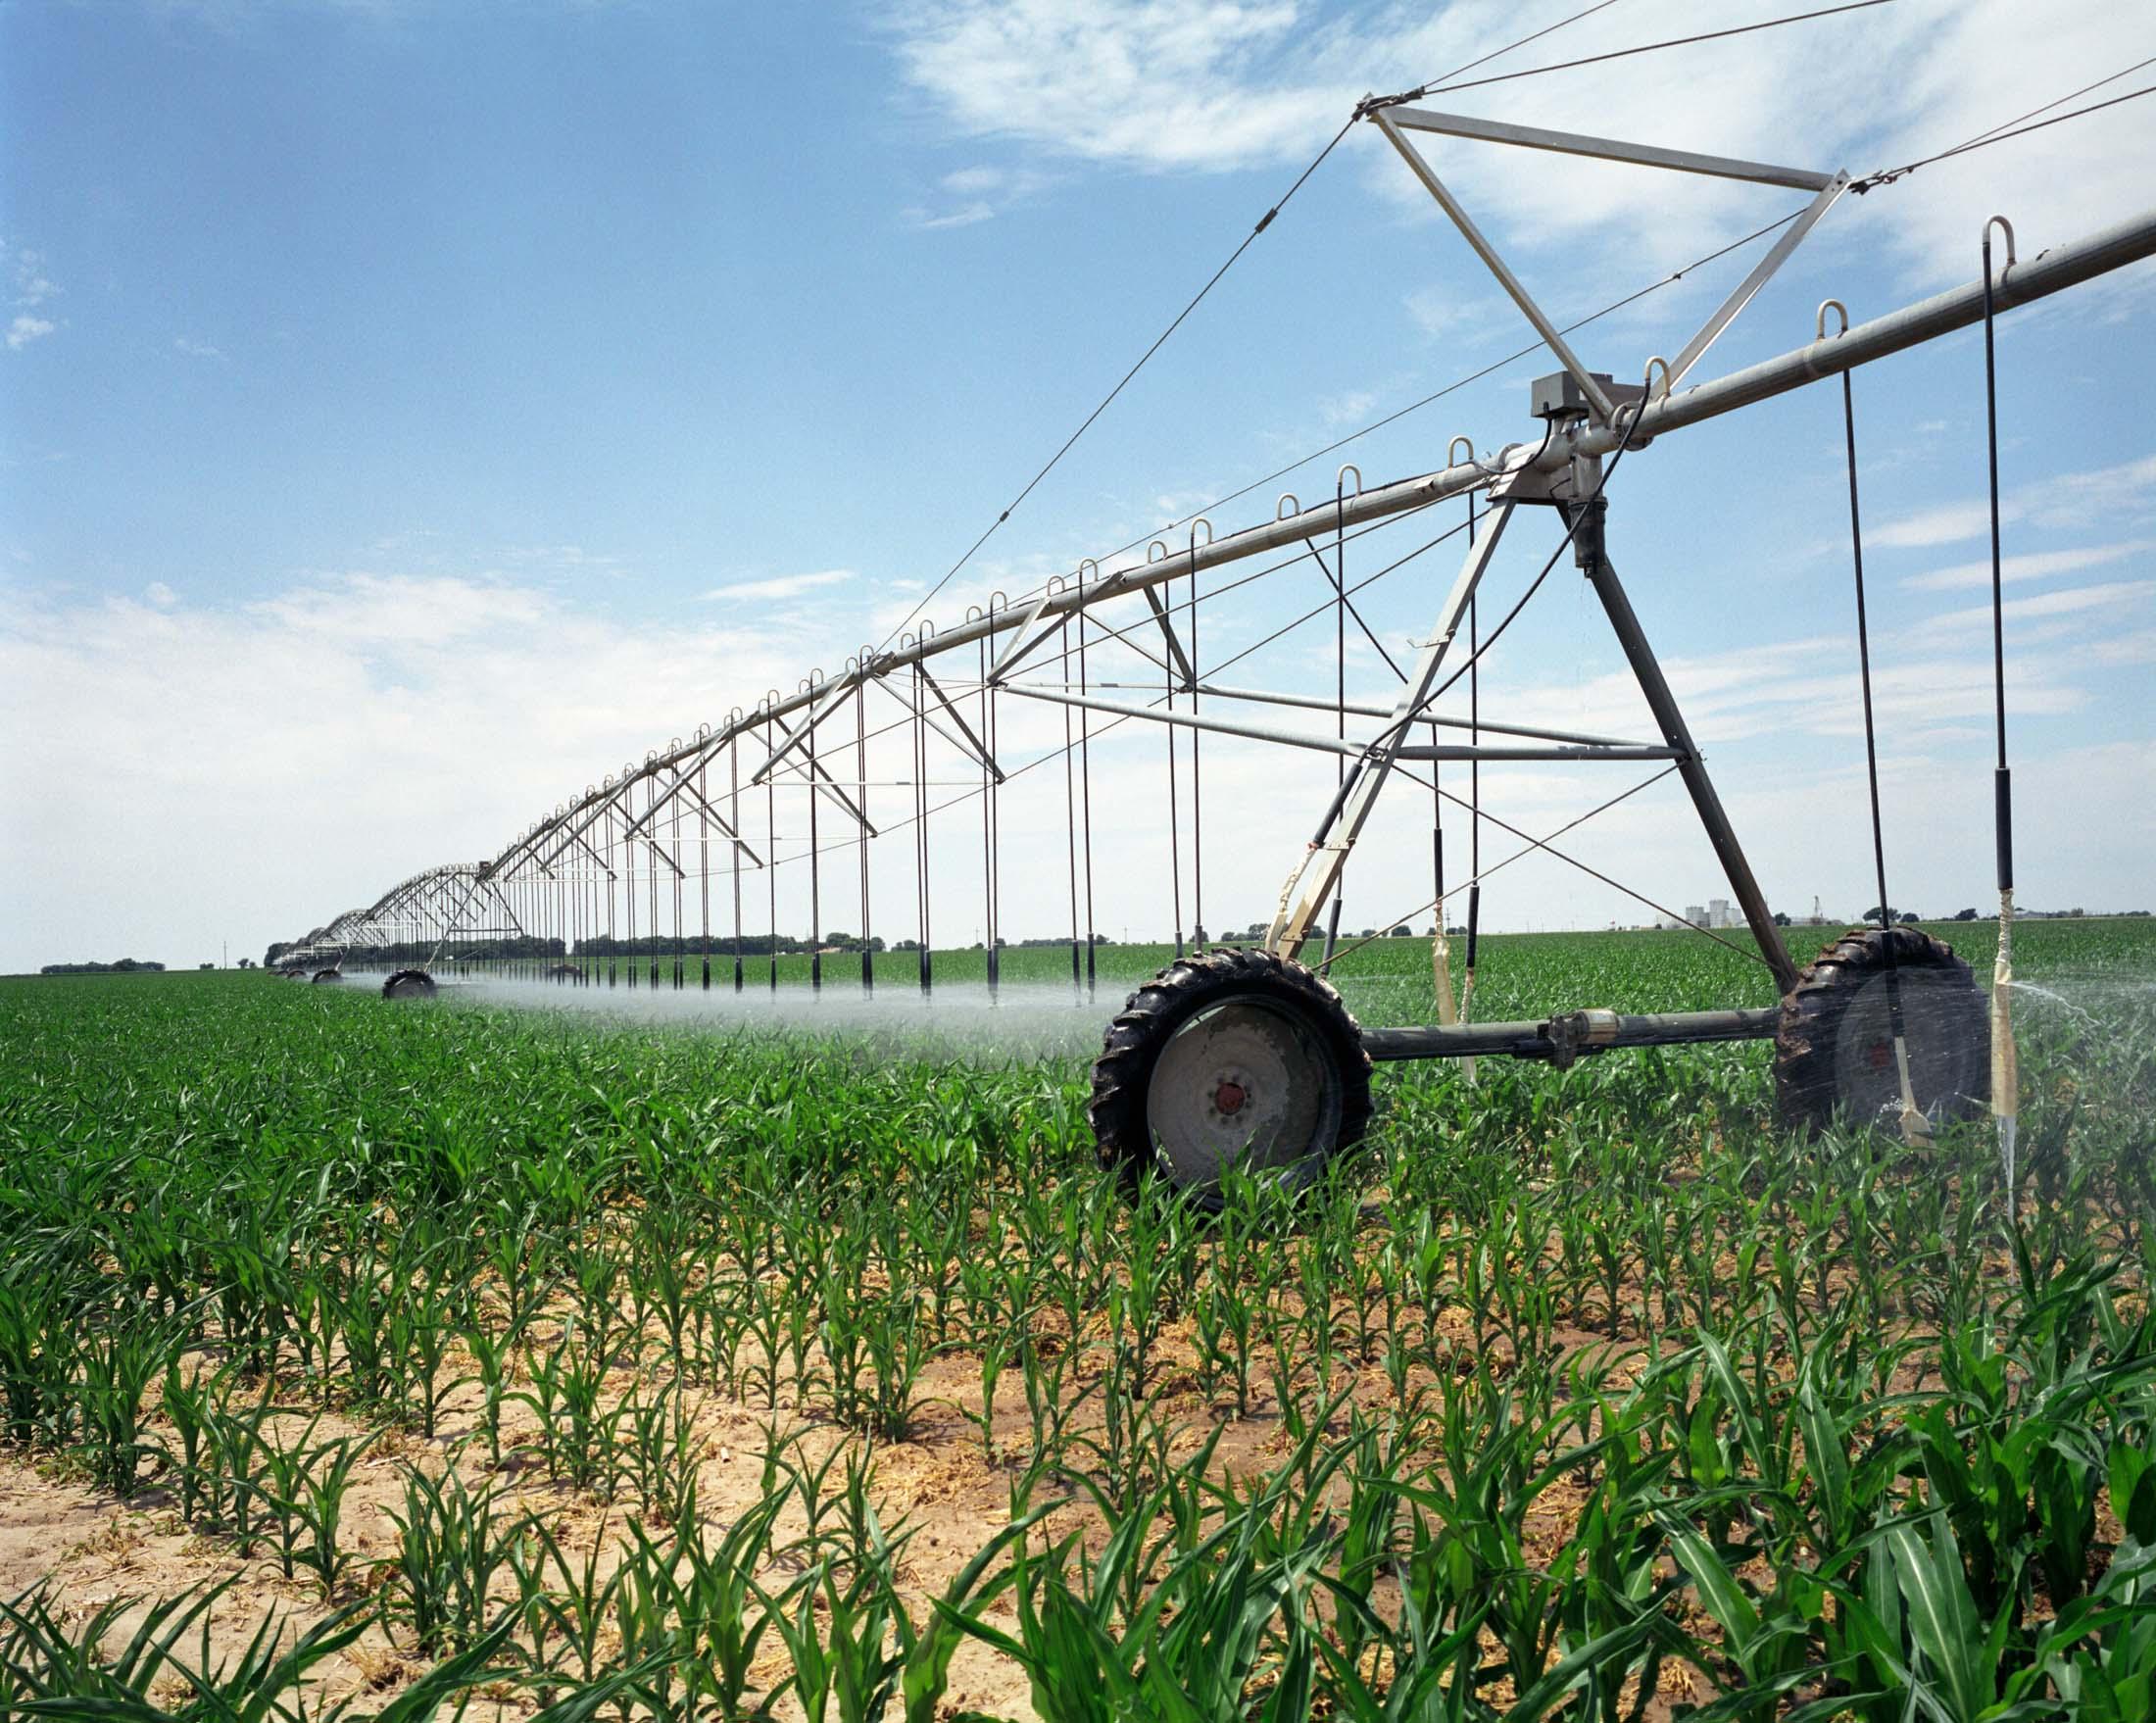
(125, 966)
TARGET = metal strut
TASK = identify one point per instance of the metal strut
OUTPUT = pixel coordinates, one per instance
(1588, 542)
(1318, 873)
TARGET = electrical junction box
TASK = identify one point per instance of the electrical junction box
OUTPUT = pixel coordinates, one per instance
(1559, 397)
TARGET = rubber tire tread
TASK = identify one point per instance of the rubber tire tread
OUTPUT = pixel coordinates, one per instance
(425, 990)
(1151, 1017)
(1806, 1087)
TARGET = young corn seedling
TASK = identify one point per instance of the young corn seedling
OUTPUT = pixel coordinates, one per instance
(578, 1603)
(661, 1450)
(279, 1486)
(37, 1348)
(118, 1364)
(238, 1448)
(320, 1507)
(730, 1614)
(450, 1547)
(899, 1348)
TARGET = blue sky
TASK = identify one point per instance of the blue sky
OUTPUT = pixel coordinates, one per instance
(409, 411)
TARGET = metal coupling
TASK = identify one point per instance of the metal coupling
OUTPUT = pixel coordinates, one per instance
(1576, 1032)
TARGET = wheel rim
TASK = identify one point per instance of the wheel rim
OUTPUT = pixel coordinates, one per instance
(1943, 1064)
(1246, 1082)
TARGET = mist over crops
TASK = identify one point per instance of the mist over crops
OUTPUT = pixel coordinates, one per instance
(601, 1350)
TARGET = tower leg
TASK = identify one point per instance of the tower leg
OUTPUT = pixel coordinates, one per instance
(1663, 705)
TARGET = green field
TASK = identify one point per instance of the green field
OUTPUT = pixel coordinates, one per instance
(473, 1353)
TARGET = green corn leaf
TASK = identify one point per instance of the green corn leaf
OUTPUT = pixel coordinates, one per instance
(1942, 1619)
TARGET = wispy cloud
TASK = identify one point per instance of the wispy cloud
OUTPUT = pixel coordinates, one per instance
(30, 287)
(980, 193)
(779, 586)
(197, 349)
(2063, 502)
(1350, 408)
(2071, 601)
(2035, 566)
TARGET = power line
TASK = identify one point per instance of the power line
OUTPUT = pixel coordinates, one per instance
(2123, 72)
(1537, 35)
(1439, 87)
(1983, 141)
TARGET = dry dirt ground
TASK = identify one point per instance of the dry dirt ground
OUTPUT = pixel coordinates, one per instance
(93, 1550)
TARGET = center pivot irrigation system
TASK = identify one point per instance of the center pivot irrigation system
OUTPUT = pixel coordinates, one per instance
(1235, 1054)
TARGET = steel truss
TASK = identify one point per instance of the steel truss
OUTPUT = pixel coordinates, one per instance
(619, 841)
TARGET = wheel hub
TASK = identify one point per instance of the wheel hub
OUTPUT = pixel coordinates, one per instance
(1245, 1083)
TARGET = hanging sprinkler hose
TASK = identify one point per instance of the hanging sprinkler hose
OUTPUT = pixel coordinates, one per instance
(2005, 1066)
(1915, 1127)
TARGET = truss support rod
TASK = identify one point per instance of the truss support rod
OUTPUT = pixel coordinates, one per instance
(1192, 722)
(684, 785)
(1317, 876)
(1314, 704)
(923, 715)
(1019, 645)
(1574, 143)
(658, 849)
(820, 779)
(1167, 633)
(1505, 756)
(951, 710)
(584, 844)
(1792, 237)
(1663, 705)
(594, 810)
(659, 804)
(1496, 264)
(838, 689)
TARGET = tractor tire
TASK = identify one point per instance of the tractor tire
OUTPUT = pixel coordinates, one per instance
(326, 975)
(1229, 1057)
(408, 984)
(1833, 1053)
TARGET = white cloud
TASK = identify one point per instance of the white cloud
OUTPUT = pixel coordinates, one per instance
(25, 329)
(33, 287)
(267, 765)
(1218, 86)
(197, 349)
(781, 586)
(964, 216)
(1947, 524)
